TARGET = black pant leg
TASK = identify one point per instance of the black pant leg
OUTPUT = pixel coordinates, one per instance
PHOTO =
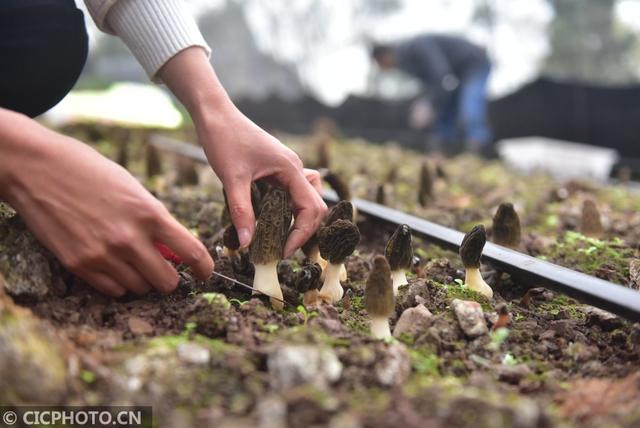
(43, 48)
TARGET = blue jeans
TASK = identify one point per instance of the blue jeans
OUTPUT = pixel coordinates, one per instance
(467, 107)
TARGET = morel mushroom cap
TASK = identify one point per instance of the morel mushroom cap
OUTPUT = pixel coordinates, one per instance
(230, 238)
(338, 240)
(381, 197)
(472, 245)
(310, 246)
(378, 295)
(425, 191)
(338, 185)
(399, 252)
(506, 226)
(590, 224)
(272, 228)
(343, 210)
(308, 278)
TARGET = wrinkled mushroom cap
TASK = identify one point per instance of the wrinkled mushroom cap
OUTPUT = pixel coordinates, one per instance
(311, 244)
(472, 245)
(308, 278)
(506, 226)
(338, 185)
(272, 228)
(399, 252)
(378, 294)
(230, 238)
(338, 240)
(425, 190)
(343, 210)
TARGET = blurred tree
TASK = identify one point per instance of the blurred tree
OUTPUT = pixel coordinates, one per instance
(589, 44)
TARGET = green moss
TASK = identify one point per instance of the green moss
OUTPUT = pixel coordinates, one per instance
(608, 259)
(565, 304)
(462, 292)
(425, 362)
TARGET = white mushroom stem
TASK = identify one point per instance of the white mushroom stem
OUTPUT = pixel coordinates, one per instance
(266, 281)
(343, 272)
(399, 278)
(331, 286)
(228, 252)
(474, 281)
(380, 327)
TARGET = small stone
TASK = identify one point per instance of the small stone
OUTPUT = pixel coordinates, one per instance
(412, 321)
(416, 293)
(563, 327)
(394, 367)
(470, 317)
(606, 320)
(512, 374)
(32, 368)
(192, 353)
(272, 412)
(30, 270)
(345, 420)
(139, 326)
(294, 365)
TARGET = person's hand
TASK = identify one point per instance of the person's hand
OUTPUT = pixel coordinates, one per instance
(97, 219)
(240, 152)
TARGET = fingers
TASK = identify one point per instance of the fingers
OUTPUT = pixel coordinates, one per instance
(127, 277)
(186, 246)
(314, 178)
(309, 209)
(158, 272)
(104, 284)
(241, 210)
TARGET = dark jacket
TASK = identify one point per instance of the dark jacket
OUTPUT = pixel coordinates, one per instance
(440, 61)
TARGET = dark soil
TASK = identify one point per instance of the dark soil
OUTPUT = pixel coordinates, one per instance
(201, 359)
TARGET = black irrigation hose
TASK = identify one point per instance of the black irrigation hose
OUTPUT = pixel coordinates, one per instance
(614, 298)
(529, 270)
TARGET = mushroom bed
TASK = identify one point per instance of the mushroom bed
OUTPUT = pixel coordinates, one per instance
(210, 354)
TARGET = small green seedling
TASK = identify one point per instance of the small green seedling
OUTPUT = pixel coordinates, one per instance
(498, 337)
(307, 315)
(87, 376)
(509, 360)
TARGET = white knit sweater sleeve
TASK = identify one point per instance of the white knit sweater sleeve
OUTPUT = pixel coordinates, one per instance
(154, 30)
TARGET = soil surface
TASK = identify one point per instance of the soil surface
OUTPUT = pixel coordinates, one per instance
(210, 354)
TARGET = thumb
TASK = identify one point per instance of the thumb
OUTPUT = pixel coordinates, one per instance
(241, 210)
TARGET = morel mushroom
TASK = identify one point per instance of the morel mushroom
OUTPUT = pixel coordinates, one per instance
(399, 254)
(307, 281)
(590, 224)
(381, 197)
(230, 241)
(470, 253)
(153, 163)
(506, 227)
(343, 210)
(378, 298)
(425, 189)
(336, 241)
(187, 173)
(268, 242)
